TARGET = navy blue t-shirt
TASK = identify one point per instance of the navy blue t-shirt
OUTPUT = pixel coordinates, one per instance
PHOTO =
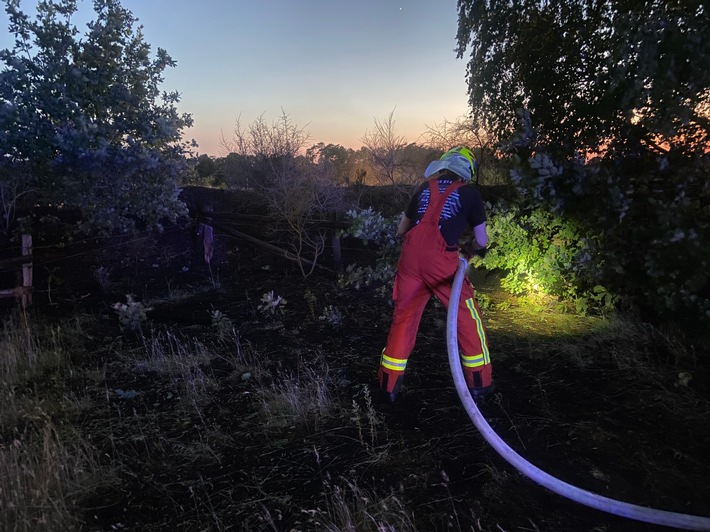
(464, 207)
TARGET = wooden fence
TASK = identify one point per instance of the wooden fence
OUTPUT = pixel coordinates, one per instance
(24, 262)
(226, 225)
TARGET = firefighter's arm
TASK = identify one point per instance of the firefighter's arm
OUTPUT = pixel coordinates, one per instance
(476, 245)
(480, 237)
(404, 225)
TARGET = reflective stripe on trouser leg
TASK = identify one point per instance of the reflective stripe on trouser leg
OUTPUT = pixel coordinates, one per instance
(476, 371)
(477, 368)
(410, 297)
(480, 329)
(391, 372)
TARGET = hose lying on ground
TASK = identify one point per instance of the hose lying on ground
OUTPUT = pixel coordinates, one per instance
(623, 509)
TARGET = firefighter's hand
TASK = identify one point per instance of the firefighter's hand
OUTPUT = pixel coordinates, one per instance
(468, 249)
(481, 252)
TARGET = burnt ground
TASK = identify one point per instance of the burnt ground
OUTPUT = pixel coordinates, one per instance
(190, 424)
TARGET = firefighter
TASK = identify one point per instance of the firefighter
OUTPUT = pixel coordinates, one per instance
(438, 213)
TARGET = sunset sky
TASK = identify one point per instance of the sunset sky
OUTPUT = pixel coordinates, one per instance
(333, 66)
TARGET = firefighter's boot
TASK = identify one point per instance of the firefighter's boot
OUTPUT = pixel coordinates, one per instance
(482, 392)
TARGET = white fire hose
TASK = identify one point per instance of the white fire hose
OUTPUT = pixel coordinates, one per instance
(623, 509)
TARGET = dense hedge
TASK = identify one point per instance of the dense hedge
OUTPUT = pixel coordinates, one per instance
(643, 227)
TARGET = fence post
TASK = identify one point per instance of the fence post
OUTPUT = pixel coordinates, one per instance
(208, 243)
(337, 252)
(26, 271)
(336, 243)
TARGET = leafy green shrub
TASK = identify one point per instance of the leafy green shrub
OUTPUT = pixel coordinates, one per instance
(484, 301)
(538, 250)
(373, 228)
(649, 210)
(542, 252)
(669, 224)
(370, 226)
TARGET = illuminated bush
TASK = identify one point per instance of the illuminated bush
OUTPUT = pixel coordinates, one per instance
(649, 210)
(541, 252)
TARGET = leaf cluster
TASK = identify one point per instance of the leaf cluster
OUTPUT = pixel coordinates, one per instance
(371, 227)
(592, 73)
(604, 110)
(650, 217)
(83, 121)
(540, 252)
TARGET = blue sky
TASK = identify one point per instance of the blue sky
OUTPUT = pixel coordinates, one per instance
(334, 66)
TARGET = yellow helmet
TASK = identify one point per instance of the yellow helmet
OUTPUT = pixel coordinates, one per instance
(459, 160)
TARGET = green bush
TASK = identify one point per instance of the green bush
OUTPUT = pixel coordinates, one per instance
(660, 251)
(542, 252)
(538, 251)
(651, 212)
(371, 227)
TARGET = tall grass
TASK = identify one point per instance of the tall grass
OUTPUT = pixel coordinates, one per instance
(29, 350)
(180, 359)
(302, 398)
(23, 353)
(350, 508)
(43, 475)
(42, 468)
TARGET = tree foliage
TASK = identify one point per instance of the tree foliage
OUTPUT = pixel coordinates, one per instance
(205, 166)
(338, 158)
(83, 122)
(610, 101)
(591, 72)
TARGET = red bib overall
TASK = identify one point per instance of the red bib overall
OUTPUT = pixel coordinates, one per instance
(427, 266)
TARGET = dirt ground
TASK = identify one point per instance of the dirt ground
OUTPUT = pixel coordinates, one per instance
(597, 403)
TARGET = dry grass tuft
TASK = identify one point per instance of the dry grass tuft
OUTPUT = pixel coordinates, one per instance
(44, 473)
(303, 398)
(182, 360)
(349, 508)
(44, 470)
